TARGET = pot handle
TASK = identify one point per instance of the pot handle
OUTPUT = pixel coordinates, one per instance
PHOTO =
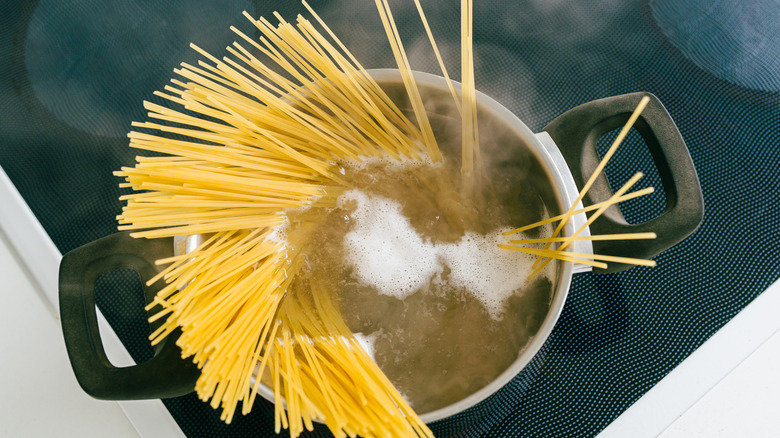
(167, 374)
(576, 133)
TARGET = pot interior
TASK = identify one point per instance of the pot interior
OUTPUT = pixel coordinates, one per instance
(441, 346)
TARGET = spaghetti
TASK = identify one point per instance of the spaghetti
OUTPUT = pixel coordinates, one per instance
(546, 254)
(243, 139)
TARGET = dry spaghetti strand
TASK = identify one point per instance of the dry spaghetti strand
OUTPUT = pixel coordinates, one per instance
(599, 168)
(408, 78)
(545, 255)
(632, 195)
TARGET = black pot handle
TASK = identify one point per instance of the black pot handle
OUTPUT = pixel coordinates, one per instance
(166, 374)
(576, 133)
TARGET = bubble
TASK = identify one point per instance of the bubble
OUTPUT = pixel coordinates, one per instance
(279, 233)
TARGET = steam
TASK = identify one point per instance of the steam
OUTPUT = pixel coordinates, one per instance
(92, 63)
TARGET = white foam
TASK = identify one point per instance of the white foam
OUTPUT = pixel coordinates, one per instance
(384, 249)
(387, 253)
(279, 233)
(367, 342)
(488, 272)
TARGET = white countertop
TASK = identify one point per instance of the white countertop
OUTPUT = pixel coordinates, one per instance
(47, 400)
(729, 387)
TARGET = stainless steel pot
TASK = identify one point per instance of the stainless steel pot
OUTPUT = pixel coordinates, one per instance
(565, 156)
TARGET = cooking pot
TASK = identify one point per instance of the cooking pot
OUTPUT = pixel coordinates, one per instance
(564, 156)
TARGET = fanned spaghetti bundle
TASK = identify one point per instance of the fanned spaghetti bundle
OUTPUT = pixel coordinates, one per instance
(244, 140)
(247, 137)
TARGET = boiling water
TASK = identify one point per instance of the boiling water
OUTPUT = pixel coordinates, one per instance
(413, 265)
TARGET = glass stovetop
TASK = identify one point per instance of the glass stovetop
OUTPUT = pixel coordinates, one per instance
(75, 73)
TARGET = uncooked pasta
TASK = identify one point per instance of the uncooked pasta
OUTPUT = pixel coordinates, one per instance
(247, 150)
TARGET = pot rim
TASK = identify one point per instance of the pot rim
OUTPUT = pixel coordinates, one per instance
(552, 161)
